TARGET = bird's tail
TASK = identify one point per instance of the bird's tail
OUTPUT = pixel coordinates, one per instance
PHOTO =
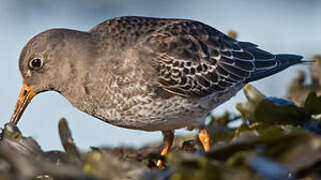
(284, 61)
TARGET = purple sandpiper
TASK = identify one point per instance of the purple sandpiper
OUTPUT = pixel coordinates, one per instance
(151, 74)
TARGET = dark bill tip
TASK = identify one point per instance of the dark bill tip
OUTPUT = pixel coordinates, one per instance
(26, 94)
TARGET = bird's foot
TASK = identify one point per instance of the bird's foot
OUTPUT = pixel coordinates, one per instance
(204, 137)
(168, 142)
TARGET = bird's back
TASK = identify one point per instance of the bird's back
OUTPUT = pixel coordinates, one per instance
(192, 58)
(189, 60)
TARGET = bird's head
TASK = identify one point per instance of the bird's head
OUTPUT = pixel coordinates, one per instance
(45, 64)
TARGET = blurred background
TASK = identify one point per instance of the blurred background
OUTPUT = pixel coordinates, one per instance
(287, 26)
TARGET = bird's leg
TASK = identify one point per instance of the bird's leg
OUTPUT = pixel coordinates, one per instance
(168, 141)
(204, 137)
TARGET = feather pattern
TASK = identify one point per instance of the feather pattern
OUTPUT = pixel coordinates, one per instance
(194, 59)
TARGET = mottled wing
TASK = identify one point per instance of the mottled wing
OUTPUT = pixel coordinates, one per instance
(126, 31)
(194, 59)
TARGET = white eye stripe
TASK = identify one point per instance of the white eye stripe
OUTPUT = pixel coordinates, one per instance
(28, 73)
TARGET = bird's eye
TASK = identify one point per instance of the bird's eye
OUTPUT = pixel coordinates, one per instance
(35, 63)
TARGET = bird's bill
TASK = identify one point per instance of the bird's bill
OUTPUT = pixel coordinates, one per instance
(26, 94)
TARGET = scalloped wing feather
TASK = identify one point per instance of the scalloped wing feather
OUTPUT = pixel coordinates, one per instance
(194, 59)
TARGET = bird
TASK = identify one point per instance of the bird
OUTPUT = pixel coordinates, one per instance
(144, 73)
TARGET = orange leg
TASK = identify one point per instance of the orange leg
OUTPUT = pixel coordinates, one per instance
(204, 137)
(168, 141)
